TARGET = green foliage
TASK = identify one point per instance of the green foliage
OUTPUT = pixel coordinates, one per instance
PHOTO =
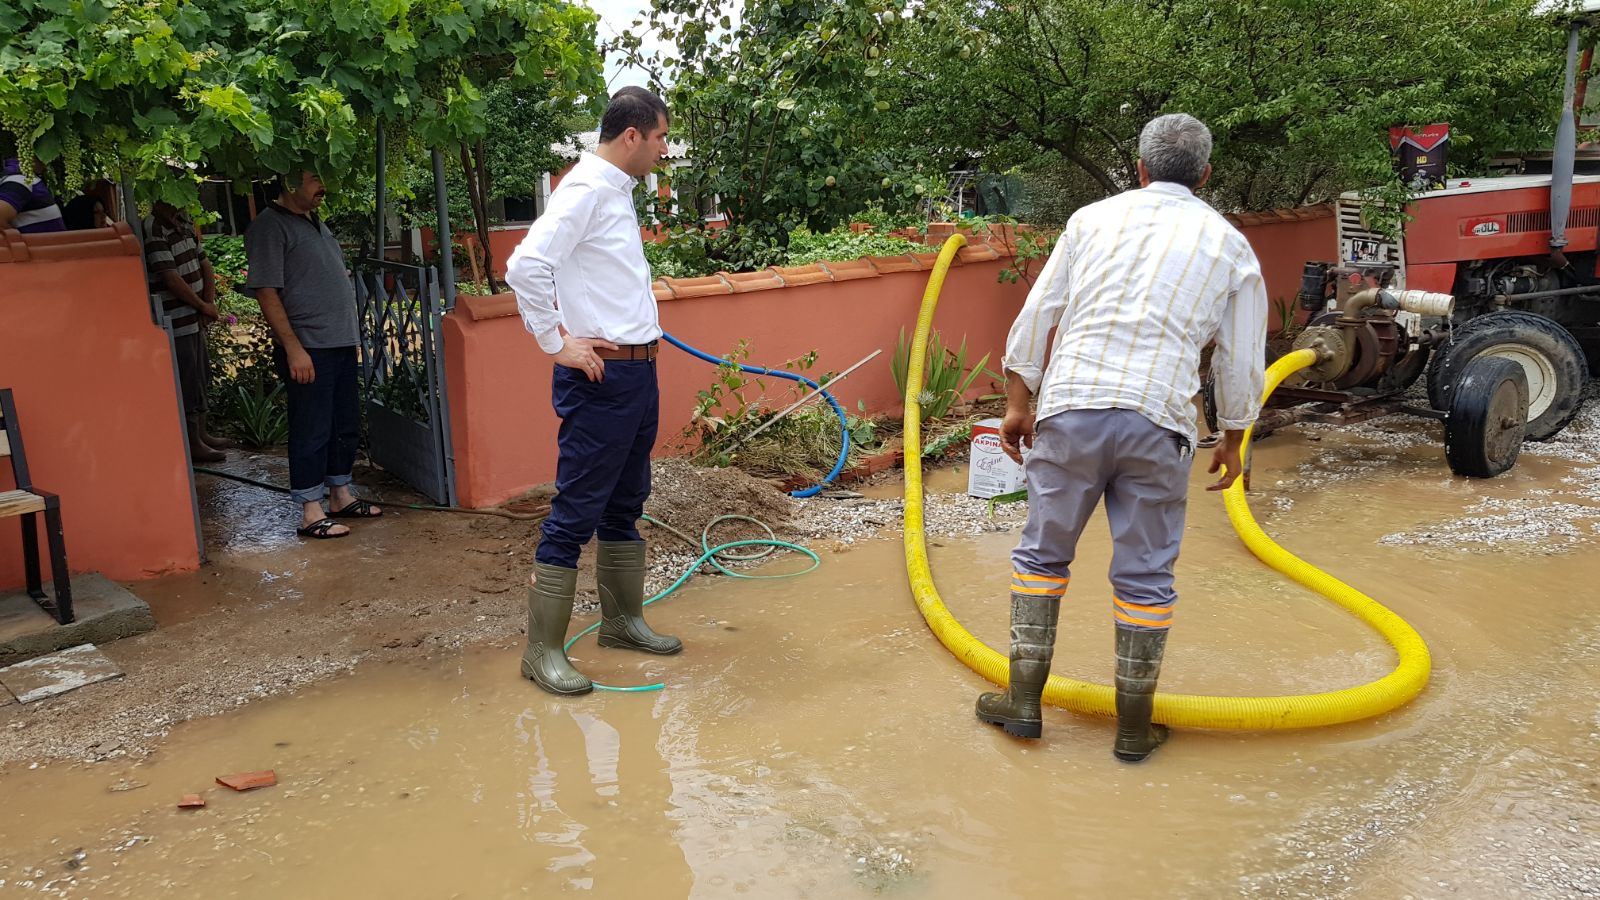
(1053, 189)
(258, 414)
(939, 446)
(271, 86)
(779, 111)
(1299, 94)
(403, 392)
(805, 444)
(672, 260)
(722, 412)
(694, 252)
(233, 303)
(946, 376)
(228, 261)
(1031, 252)
(245, 394)
(883, 221)
(806, 247)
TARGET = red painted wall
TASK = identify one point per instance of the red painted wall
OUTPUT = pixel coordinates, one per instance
(503, 426)
(97, 399)
(499, 380)
(1284, 242)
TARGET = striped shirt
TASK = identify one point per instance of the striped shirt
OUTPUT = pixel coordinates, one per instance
(174, 249)
(1138, 284)
(36, 207)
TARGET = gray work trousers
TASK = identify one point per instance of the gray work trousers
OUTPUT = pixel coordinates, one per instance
(1142, 471)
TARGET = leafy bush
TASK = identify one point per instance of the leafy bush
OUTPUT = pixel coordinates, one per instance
(945, 376)
(884, 222)
(670, 260)
(1028, 251)
(227, 259)
(694, 253)
(245, 396)
(803, 445)
(697, 252)
(806, 248)
(258, 415)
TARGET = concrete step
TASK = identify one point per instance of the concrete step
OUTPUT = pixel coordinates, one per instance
(105, 612)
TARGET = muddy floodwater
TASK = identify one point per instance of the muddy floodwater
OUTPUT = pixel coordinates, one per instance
(814, 740)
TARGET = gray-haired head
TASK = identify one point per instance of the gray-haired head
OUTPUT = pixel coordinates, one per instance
(1176, 147)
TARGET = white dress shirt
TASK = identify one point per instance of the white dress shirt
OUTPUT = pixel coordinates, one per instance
(582, 263)
(1138, 284)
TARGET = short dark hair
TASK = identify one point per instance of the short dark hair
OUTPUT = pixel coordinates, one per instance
(631, 107)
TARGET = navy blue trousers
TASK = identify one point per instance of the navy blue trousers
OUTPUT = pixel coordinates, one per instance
(324, 421)
(608, 429)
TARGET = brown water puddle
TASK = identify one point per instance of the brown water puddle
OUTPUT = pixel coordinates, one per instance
(815, 741)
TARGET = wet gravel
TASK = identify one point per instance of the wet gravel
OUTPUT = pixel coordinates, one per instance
(1538, 520)
(1534, 523)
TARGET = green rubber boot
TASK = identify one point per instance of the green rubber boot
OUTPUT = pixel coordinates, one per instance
(619, 574)
(549, 612)
(1138, 667)
(1033, 643)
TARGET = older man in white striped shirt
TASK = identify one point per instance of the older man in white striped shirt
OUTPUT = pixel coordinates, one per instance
(1136, 286)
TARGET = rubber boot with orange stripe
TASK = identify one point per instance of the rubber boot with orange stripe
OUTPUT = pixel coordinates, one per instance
(1138, 668)
(1033, 641)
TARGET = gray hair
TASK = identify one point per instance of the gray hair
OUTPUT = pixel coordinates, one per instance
(1175, 147)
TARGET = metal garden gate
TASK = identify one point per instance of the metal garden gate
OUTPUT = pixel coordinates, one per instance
(405, 404)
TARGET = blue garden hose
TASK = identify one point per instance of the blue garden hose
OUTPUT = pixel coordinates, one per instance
(844, 422)
(710, 555)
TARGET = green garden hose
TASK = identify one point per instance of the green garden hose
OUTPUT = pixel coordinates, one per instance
(710, 554)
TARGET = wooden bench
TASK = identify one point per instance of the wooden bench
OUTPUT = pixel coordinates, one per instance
(27, 502)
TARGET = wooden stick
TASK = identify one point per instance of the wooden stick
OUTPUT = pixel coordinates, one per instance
(806, 399)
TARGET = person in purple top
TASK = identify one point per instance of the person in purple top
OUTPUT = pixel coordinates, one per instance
(26, 203)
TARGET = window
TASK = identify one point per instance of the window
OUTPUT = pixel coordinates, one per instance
(686, 195)
(521, 209)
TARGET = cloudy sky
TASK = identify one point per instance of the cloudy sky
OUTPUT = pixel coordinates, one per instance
(616, 16)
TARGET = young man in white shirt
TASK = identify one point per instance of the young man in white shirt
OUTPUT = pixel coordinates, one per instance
(586, 252)
(1136, 286)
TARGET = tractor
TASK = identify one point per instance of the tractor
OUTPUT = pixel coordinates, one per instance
(1492, 294)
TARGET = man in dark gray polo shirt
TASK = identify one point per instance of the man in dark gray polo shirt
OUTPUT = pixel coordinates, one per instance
(297, 274)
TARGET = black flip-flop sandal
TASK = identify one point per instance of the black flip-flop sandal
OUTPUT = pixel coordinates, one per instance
(357, 509)
(319, 530)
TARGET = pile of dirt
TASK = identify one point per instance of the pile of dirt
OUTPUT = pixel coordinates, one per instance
(689, 497)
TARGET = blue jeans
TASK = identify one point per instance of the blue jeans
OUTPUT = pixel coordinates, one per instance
(608, 429)
(324, 421)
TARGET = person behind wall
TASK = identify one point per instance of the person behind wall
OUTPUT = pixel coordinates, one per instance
(1137, 283)
(183, 285)
(26, 202)
(297, 274)
(587, 251)
(85, 211)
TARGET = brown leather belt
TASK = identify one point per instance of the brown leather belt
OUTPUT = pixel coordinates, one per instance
(630, 351)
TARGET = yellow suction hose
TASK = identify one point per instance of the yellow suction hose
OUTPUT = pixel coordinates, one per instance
(1185, 710)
